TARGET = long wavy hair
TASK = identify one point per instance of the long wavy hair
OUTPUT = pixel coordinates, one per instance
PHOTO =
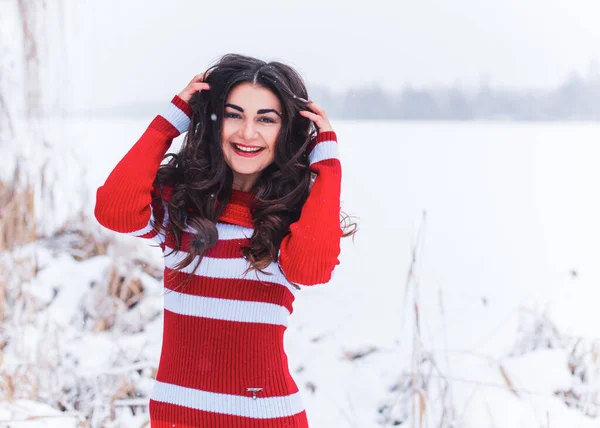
(201, 181)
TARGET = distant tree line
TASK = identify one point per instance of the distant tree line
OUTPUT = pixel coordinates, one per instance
(578, 98)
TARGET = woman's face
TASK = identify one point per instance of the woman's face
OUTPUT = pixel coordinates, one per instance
(251, 123)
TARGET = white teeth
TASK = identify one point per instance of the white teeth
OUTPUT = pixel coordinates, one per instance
(243, 149)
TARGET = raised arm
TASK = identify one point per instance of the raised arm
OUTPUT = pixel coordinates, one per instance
(309, 253)
(123, 203)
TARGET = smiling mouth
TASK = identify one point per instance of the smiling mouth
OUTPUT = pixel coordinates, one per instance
(247, 149)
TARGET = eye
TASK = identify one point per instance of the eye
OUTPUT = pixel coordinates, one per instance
(232, 115)
(266, 120)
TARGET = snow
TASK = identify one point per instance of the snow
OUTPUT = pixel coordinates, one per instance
(510, 213)
(30, 414)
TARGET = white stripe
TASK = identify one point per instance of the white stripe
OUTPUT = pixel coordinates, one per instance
(143, 231)
(176, 117)
(229, 404)
(227, 268)
(226, 309)
(228, 231)
(324, 150)
(232, 231)
(166, 213)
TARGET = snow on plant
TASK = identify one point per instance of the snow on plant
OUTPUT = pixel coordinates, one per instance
(537, 331)
(75, 337)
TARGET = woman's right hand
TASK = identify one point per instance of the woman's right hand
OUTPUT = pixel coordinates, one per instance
(197, 84)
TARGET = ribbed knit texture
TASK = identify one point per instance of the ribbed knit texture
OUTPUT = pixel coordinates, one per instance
(223, 330)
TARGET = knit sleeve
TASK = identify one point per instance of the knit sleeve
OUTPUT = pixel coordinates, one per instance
(309, 253)
(125, 202)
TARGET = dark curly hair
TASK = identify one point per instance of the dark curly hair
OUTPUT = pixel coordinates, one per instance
(201, 181)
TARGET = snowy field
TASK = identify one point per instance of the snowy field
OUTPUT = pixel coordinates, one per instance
(509, 226)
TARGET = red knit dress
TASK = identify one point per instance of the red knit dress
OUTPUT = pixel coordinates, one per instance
(223, 362)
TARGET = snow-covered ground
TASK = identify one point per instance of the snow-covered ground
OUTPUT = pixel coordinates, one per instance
(502, 218)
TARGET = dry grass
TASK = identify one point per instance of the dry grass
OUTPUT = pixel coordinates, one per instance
(76, 238)
(21, 383)
(107, 303)
(422, 395)
(537, 331)
(3, 306)
(124, 391)
(128, 289)
(17, 218)
(17, 227)
(55, 379)
(120, 291)
(150, 269)
(584, 365)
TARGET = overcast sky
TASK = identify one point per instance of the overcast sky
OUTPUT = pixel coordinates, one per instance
(148, 50)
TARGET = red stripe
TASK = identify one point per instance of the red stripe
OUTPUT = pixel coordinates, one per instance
(234, 289)
(333, 165)
(167, 193)
(182, 105)
(161, 124)
(228, 249)
(248, 355)
(165, 415)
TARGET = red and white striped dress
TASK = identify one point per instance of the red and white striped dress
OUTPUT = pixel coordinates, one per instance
(223, 362)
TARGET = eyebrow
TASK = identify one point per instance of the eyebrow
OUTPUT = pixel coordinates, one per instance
(261, 111)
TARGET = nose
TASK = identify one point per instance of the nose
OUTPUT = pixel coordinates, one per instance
(248, 130)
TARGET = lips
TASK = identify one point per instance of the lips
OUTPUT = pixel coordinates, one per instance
(250, 151)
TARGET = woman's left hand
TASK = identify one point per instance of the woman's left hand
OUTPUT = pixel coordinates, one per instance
(318, 116)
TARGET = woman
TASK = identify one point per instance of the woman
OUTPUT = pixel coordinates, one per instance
(242, 224)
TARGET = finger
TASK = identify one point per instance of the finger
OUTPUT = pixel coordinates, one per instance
(322, 123)
(197, 87)
(188, 92)
(310, 115)
(198, 78)
(314, 117)
(200, 85)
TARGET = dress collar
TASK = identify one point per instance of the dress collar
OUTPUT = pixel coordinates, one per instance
(237, 210)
